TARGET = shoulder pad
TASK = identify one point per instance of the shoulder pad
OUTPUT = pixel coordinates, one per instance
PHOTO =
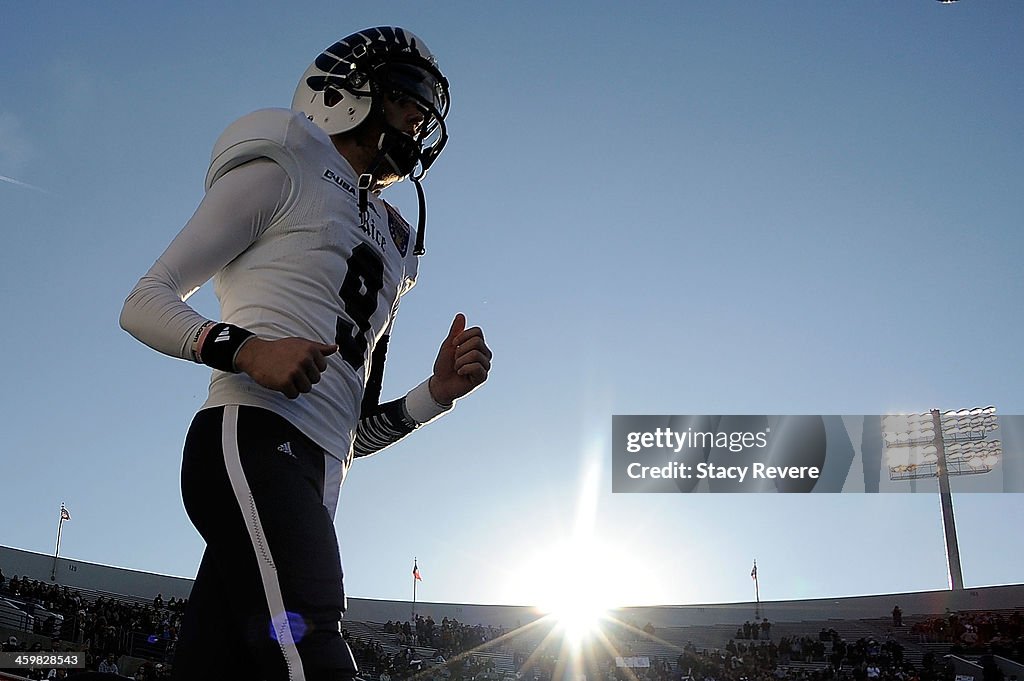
(278, 134)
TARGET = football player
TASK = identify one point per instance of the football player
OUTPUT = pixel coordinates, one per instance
(309, 265)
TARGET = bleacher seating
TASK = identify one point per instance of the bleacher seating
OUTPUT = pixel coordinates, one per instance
(489, 656)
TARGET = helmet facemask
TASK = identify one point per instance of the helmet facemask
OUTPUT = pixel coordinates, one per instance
(412, 155)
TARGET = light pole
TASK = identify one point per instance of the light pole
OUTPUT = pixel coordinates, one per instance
(940, 445)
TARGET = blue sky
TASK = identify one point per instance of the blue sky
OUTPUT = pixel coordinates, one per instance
(659, 208)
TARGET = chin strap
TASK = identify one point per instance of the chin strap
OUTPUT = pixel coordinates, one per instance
(365, 184)
(421, 225)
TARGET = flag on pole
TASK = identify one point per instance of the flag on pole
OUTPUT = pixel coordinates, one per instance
(416, 571)
(64, 515)
(753, 572)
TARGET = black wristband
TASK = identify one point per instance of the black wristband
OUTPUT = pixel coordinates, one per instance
(221, 345)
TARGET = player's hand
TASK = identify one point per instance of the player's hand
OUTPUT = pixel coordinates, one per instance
(462, 363)
(289, 365)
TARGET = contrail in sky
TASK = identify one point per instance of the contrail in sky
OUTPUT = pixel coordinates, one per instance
(22, 184)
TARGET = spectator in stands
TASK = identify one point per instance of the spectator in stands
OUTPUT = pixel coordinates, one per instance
(897, 616)
(109, 664)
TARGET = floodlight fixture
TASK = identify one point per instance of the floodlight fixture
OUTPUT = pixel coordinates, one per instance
(935, 445)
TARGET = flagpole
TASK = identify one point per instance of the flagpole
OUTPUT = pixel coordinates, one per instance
(757, 592)
(60, 524)
(414, 580)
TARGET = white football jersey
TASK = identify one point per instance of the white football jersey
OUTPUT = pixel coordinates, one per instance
(316, 272)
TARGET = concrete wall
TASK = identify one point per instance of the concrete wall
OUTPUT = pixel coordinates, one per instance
(81, 574)
(965, 669)
(843, 608)
(508, 616)
(1010, 668)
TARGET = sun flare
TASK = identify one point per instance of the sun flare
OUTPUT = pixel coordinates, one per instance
(567, 578)
(579, 573)
(573, 592)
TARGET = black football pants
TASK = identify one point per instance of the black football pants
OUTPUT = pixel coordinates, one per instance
(268, 598)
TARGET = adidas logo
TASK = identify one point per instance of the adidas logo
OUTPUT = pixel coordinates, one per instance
(286, 448)
(224, 335)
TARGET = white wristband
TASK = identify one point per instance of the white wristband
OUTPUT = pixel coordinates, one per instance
(421, 405)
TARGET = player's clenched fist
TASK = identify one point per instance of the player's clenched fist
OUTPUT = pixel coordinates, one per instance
(462, 364)
(289, 365)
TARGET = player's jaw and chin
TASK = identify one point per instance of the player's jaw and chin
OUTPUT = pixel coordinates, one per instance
(394, 117)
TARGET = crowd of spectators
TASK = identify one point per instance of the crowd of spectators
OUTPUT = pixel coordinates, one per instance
(754, 631)
(756, 659)
(607, 656)
(102, 629)
(751, 656)
(425, 644)
(975, 633)
(449, 637)
(865, 659)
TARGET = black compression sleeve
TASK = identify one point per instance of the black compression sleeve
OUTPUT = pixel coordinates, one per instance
(371, 395)
(389, 425)
(380, 425)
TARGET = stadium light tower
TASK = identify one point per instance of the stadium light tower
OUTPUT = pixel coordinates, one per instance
(940, 445)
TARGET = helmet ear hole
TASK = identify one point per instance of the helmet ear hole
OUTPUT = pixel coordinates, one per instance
(332, 97)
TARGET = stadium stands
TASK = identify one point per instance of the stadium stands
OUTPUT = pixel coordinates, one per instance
(807, 640)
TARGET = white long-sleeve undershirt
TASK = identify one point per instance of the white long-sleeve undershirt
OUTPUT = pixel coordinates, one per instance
(234, 213)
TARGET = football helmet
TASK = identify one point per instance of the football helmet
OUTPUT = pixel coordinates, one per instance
(351, 78)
